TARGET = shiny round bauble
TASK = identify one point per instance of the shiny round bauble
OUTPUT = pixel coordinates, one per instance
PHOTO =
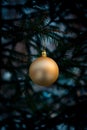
(44, 71)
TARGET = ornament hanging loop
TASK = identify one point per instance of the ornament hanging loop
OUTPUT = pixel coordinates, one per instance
(44, 49)
(43, 45)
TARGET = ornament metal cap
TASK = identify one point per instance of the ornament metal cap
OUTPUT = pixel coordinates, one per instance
(44, 53)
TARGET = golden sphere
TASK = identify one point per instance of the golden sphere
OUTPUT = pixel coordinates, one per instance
(44, 71)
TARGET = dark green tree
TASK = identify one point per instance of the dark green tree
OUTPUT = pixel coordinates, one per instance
(27, 27)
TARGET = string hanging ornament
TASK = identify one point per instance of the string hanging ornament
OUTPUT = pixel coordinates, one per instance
(44, 71)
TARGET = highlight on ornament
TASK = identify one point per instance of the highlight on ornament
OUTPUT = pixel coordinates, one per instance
(44, 71)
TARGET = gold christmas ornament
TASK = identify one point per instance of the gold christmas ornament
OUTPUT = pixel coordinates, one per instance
(44, 71)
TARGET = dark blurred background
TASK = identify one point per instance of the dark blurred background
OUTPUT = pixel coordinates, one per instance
(27, 25)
